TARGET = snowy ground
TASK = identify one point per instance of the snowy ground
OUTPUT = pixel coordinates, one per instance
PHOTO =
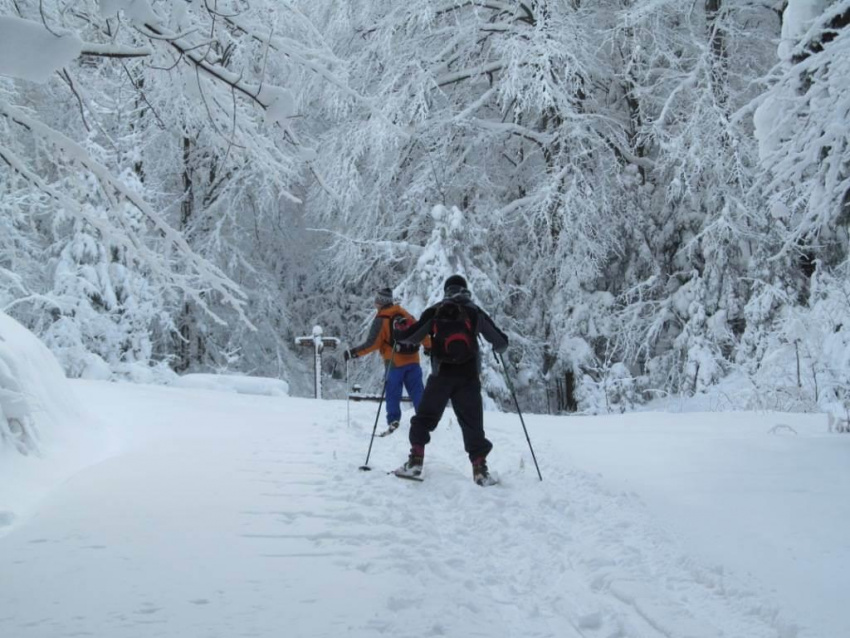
(231, 515)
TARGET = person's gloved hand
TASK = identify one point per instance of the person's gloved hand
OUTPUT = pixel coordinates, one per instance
(349, 354)
(426, 352)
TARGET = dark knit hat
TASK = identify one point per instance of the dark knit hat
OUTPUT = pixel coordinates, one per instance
(384, 297)
(455, 280)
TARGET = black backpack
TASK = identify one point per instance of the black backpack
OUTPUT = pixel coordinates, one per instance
(453, 334)
(400, 322)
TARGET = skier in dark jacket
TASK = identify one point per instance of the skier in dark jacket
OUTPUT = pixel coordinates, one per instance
(453, 326)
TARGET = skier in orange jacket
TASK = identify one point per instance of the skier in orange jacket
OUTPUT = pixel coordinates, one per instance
(403, 360)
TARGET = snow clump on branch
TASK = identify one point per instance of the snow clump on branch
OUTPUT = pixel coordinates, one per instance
(28, 51)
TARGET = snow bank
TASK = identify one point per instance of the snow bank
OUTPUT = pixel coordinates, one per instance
(45, 435)
(28, 51)
(234, 383)
(33, 392)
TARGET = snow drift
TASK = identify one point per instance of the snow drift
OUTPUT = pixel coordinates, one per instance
(33, 392)
(234, 383)
(45, 434)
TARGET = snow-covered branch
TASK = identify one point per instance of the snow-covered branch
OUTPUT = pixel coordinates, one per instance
(114, 50)
(202, 275)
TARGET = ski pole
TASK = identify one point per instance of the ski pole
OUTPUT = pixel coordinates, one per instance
(347, 398)
(365, 467)
(516, 403)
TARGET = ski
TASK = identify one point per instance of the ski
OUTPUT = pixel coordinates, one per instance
(490, 480)
(408, 477)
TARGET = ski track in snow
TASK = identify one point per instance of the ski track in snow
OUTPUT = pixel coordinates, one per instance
(263, 529)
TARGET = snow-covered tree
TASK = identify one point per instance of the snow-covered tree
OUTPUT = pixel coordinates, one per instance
(800, 125)
(694, 215)
(487, 108)
(802, 133)
(179, 111)
(638, 191)
(592, 147)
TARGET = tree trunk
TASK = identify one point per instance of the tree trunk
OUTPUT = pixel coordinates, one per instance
(717, 42)
(570, 401)
(189, 344)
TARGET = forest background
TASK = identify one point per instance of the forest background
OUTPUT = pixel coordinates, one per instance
(652, 197)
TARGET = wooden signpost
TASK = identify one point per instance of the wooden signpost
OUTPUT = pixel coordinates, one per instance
(318, 343)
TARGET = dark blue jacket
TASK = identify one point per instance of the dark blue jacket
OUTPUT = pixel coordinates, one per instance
(482, 324)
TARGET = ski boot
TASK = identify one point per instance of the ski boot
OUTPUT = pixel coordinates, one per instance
(412, 469)
(481, 475)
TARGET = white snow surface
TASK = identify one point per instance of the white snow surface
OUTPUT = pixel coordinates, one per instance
(232, 515)
(28, 51)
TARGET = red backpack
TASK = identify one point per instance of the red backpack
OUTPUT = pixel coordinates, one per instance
(453, 334)
(400, 322)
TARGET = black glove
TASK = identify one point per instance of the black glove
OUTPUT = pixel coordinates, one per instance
(349, 354)
(426, 352)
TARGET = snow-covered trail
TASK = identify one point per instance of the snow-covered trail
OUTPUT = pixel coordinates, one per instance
(246, 516)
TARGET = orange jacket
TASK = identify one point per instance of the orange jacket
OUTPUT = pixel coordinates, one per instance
(380, 333)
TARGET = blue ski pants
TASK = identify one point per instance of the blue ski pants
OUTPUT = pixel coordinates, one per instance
(408, 376)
